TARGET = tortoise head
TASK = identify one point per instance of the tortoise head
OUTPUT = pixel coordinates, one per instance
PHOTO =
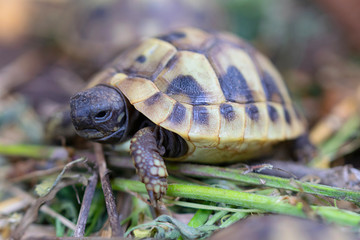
(100, 114)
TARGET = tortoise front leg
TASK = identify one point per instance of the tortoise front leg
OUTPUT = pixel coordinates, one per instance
(149, 164)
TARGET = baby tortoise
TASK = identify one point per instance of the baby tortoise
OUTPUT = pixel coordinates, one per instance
(189, 96)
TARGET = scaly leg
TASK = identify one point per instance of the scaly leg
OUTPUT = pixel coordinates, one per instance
(149, 164)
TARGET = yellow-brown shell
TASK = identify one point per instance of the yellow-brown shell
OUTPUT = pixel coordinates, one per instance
(214, 90)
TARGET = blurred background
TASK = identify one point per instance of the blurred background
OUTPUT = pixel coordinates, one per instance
(49, 49)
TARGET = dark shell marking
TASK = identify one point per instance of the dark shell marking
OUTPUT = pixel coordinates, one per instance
(171, 63)
(172, 36)
(141, 59)
(234, 86)
(227, 111)
(200, 115)
(270, 88)
(178, 113)
(287, 116)
(187, 85)
(253, 112)
(273, 114)
(153, 99)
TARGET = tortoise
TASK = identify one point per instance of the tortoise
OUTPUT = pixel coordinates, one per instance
(189, 95)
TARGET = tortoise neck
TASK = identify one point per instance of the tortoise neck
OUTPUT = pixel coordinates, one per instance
(173, 145)
(135, 122)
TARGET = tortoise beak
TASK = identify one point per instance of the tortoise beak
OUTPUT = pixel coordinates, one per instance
(91, 134)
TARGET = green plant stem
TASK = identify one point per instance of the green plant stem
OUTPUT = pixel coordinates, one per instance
(217, 216)
(209, 207)
(34, 151)
(199, 218)
(203, 171)
(246, 200)
(233, 219)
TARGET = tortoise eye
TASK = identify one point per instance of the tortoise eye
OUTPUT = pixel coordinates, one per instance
(102, 116)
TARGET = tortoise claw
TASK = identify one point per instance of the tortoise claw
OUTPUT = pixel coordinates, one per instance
(156, 190)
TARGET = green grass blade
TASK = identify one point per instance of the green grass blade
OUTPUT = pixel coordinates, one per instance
(245, 200)
(203, 171)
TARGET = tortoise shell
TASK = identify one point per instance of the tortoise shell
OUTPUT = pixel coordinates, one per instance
(213, 89)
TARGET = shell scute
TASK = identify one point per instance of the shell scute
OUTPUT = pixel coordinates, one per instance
(276, 129)
(158, 107)
(237, 74)
(205, 125)
(256, 122)
(135, 89)
(189, 39)
(179, 120)
(232, 129)
(190, 79)
(145, 60)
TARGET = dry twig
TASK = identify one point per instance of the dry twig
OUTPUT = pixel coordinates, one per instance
(85, 206)
(108, 194)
